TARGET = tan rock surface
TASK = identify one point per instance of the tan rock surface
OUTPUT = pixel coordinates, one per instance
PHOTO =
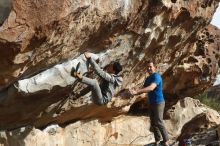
(201, 129)
(122, 130)
(40, 40)
(196, 72)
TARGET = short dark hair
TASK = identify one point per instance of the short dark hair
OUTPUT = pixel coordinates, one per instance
(149, 61)
(117, 67)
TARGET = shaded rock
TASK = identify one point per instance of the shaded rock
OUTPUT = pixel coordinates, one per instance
(184, 111)
(201, 129)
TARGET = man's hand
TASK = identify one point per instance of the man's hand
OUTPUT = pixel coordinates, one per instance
(88, 55)
(133, 92)
(77, 75)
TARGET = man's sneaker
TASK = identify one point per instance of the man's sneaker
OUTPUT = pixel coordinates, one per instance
(157, 143)
(168, 143)
(75, 71)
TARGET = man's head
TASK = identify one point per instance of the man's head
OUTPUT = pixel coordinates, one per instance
(150, 67)
(114, 68)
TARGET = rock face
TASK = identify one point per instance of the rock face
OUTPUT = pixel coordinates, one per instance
(41, 40)
(191, 76)
(201, 129)
(121, 131)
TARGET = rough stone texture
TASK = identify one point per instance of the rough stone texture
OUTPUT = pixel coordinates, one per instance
(121, 131)
(201, 129)
(40, 36)
(201, 65)
(184, 111)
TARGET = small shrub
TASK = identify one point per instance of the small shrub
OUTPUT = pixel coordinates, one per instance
(209, 101)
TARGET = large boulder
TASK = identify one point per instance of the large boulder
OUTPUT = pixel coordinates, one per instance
(41, 40)
(201, 130)
(124, 130)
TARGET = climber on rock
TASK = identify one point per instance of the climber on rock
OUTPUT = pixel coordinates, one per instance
(110, 80)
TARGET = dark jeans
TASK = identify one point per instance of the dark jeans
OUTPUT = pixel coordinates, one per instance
(156, 117)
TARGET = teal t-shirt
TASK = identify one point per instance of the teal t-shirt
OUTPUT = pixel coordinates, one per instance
(155, 96)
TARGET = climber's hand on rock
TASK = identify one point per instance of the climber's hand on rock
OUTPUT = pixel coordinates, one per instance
(88, 55)
(133, 91)
(79, 76)
(76, 74)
